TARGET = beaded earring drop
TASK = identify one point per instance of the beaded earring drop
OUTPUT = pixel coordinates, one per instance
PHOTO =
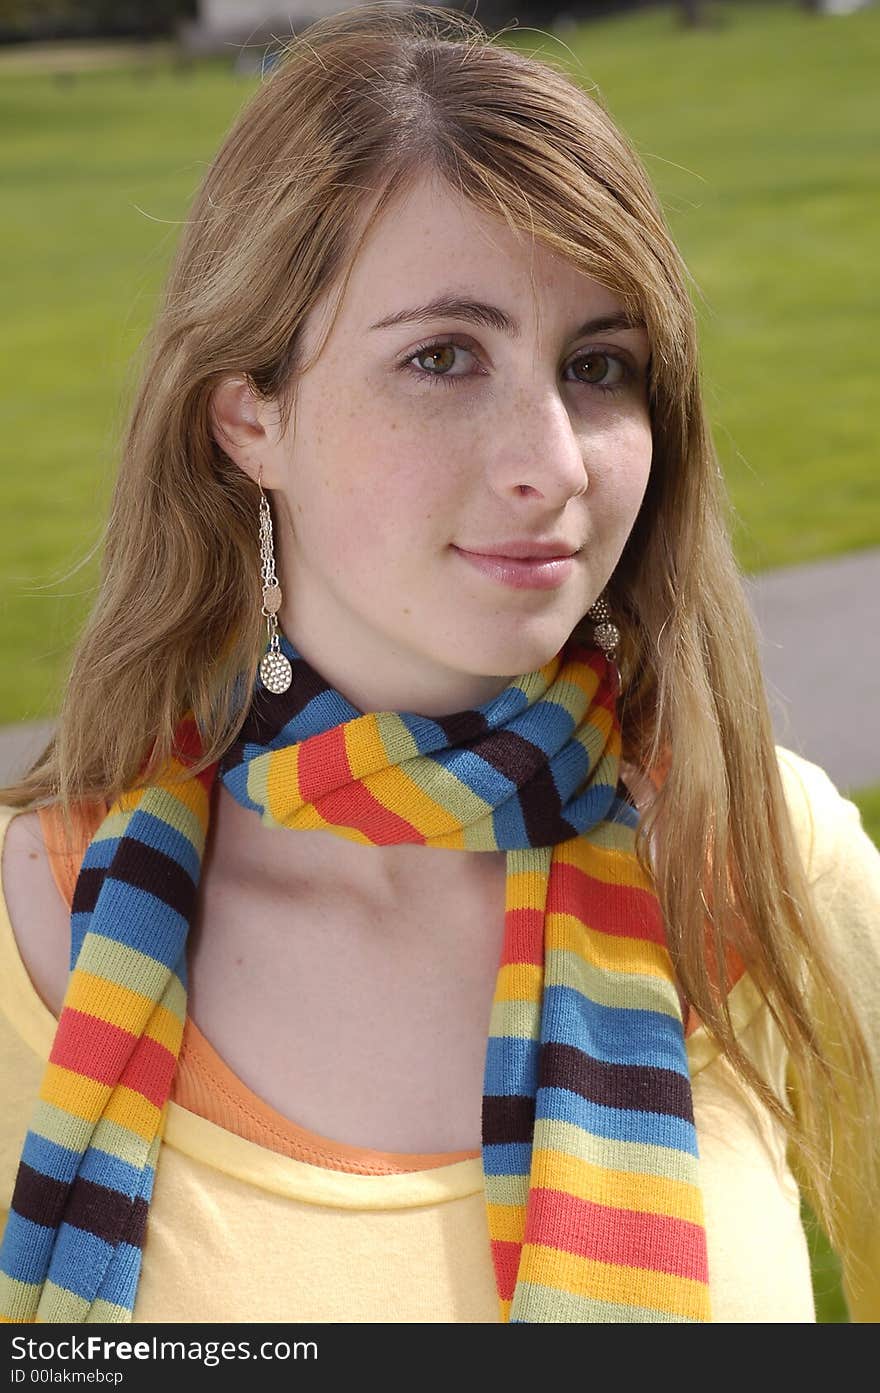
(606, 633)
(275, 670)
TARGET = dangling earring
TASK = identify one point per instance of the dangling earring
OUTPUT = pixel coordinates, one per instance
(606, 634)
(275, 670)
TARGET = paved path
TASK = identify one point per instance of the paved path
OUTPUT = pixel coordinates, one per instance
(819, 627)
(19, 745)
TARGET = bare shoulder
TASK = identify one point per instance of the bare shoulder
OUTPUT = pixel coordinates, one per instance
(39, 917)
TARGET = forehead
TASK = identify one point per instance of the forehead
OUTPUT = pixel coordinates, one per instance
(432, 241)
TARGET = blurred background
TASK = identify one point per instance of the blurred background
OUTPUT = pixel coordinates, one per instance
(757, 121)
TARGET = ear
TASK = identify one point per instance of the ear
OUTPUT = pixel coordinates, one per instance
(246, 426)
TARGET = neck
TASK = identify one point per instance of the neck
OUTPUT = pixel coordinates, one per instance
(294, 861)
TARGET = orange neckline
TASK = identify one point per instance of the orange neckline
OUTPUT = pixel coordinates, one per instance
(204, 1084)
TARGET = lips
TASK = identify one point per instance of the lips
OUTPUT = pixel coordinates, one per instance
(521, 573)
(523, 556)
(524, 550)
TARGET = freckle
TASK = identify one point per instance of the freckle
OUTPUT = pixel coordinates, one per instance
(407, 610)
(33, 855)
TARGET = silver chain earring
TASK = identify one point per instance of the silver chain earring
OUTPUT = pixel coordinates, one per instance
(606, 633)
(275, 670)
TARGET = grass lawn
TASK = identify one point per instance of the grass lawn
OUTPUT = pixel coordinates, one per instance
(868, 800)
(758, 133)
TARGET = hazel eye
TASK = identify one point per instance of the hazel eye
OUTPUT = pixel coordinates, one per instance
(438, 358)
(598, 367)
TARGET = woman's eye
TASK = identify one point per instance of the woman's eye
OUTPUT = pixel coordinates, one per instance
(433, 363)
(602, 369)
(439, 358)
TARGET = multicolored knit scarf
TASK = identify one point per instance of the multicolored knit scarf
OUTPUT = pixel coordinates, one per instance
(589, 1148)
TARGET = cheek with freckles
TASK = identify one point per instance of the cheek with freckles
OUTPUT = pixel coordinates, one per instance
(373, 509)
(619, 467)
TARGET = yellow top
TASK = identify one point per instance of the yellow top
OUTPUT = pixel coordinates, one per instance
(239, 1232)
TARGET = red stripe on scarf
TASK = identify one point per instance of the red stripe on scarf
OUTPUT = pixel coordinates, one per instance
(150, 1071)
(626, 1237)
(523, 937)
(355, 806)
(99, 1050)
(188, 749)
(622, 910)
(90, 1046)
(505, 1256)
(323, 761)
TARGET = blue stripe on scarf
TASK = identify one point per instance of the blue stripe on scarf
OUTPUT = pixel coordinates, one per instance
(77, 1258)
(120, 1283)
(613, 1034)
(618, 1124)
(27, 1248)
(58, 1162)
(511, 1066)
(103, 1169)
(140, 920)
(507, 1158)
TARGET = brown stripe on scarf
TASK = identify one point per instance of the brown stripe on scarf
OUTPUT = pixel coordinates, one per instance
(638, 1086)
(507, 1119)
(146, 869)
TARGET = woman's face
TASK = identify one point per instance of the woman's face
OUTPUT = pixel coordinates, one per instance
(419, 434)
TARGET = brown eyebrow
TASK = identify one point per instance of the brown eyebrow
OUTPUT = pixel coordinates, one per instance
(491, 316)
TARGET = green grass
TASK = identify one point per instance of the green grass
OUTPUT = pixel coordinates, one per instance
(758, 135)
(868, 801)
(831, 1307)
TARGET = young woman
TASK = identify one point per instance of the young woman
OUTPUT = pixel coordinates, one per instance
(412, 918)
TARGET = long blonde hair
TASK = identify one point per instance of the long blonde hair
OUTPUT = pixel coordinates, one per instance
(363, 103)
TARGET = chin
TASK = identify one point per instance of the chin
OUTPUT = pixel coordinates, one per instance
(525, 648)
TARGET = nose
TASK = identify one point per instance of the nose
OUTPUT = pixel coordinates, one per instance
(540, 454)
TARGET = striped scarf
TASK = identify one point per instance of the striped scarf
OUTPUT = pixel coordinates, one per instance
(589, 1149)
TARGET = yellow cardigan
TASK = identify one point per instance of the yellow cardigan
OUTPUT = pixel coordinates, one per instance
(238, 1232)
